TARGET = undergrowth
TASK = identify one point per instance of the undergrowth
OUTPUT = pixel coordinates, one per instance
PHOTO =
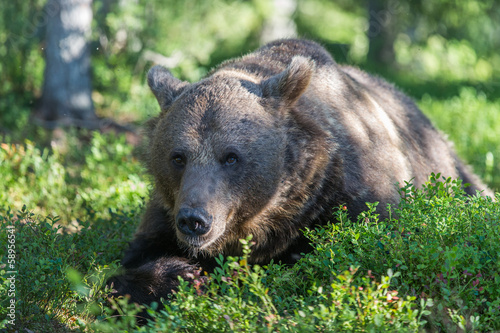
(432, 266)
(67, 179)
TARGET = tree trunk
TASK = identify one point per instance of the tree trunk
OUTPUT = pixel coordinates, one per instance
(280, 23)
(381, 31)
(67, 92)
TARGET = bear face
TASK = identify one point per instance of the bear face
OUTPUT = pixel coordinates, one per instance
(218, 150)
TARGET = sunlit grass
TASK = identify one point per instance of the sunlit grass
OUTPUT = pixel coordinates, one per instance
(70, 179)
(434, 265)
(472, 123)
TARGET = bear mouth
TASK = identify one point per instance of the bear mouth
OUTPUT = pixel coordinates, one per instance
(199, 243)
(208, 243)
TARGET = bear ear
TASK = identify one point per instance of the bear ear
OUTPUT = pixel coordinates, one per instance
(164, 85)
(291, 83)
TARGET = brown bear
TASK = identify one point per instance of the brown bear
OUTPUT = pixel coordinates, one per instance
(267, 145)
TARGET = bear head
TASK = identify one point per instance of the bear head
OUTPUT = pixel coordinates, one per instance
(218, 151)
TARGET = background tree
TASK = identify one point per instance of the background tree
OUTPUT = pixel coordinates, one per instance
(67, 91)
(280, 23)
(381, 31)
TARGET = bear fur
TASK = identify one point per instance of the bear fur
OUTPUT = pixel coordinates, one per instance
(267, 145)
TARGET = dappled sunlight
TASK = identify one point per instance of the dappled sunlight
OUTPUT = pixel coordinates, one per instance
(73, 181)
(97, 176)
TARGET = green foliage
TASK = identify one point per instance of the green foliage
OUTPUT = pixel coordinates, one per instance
(334, 22)
(443, 244)
(473, 124)
(50, 292)
(65, 180)
(442, 59)
(21, 24)
(242, 298)
(452, 250)
(187, 36)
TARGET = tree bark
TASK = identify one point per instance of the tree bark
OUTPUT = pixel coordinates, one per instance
(280, 23)
(67, 91)
(381, 32)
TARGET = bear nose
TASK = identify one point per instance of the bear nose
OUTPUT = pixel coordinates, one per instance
(193, 222)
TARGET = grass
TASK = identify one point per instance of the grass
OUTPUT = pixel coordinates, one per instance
(433, 266)
(49, 258)
(472, 122)
(95, 173)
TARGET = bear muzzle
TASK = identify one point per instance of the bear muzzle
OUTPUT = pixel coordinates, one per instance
(193, 222)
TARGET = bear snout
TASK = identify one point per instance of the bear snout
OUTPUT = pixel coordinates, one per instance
(193, 222)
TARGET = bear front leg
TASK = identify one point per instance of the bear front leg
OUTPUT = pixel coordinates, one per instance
(154, 280)
(155, 237)
(149, 247)
(153, 262)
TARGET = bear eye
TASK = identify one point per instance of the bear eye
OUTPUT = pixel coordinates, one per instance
(178, 160)
(231, 159)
